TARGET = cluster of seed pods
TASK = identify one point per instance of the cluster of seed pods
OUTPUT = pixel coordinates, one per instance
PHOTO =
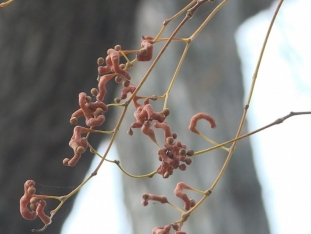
(173, 155)
(32, 207)
(188, 203)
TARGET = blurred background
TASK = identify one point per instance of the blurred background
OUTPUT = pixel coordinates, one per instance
(48, 55)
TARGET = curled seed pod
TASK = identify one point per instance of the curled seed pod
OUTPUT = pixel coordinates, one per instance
(118, 78)
(102, 70)
(126, 83)
(100, 61)
(190, 152)
(169, 140)
(94, 91)
(166, 112)
(174, 135)
(144, 202)
(145, 198)
(31, 190)
(188, 161)
(154, 98)
(130, 132)
(73, 120)
(199, 116)
(117, 47)
(40, 211)
(66, 161)
(182, 167)
(24, 210)
(182, 152)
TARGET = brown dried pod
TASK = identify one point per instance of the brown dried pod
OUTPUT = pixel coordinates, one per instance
(192, 202)
(33, 200)
(182, 152)
(126, 83)
(174, 135)
(117, 47)
(169, 140)
(190, 152)
(100, 61)
(73, 120)
(118, 78)
(122, 65)
(188, 161)
(33, 206)
(88, 99)
(117, 100)
(182, 167)
(94, 91)
(80, 149)
(166, 112)
(66, 161)
(130, 132)
(31, 190)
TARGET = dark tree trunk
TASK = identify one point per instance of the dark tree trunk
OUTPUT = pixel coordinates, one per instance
(210, 81)
(48, 53)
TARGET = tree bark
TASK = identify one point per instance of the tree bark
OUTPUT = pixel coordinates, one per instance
(209, 81)
(48, 56)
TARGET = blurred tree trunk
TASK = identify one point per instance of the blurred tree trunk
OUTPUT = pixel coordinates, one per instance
(48, 53)
(210, 81)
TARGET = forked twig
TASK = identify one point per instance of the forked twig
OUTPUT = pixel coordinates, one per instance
(232, 148)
